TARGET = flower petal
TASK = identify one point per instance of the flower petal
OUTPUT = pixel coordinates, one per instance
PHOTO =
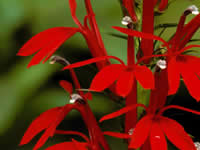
(63, 146)
(157, 138)
(190, 79)
(46, 43)
(117, 135)
(140, 34)
(40, 123)
(121, 111)
(176, 134)
(125, 83)
(107, 76)
(145, 77)
(52, 127)
(163, 4)
(141, 132)
(173, 76)
(74, 145)
(67, 86)
(92, 60)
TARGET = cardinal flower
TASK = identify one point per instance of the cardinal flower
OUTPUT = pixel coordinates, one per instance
(155, 127)
(47, 42)
(49, 120)
(120, 73)
(178, 64)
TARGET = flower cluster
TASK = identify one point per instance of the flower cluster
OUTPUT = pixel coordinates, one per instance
(160, 73)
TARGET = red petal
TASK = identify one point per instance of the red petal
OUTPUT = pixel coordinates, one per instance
(125, 83)
(190, 79)
(117, 135)
(141, 132)
(90, 61)
(67, 86)
(40, 123)
(69, 146)
(107, 76)
(140, 34)
(63, 146)
(173, 76)
(176, 134)
(52, 127)
(189, 30)
(163, 5)
(145, 77)
(46, 43)
(121, 111)
(193, 63)
(157, 137)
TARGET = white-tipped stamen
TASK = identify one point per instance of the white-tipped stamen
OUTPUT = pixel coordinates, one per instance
(126, 20)
(194, 10)
(74, 98)
(52, 60)
(130, 132)
(197, 145)
(162, 64)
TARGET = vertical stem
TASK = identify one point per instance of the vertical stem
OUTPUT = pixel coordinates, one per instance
(147, 27)
(159, 94)
(96, 135)
(131, 51)
(131, 117)
(94, 25)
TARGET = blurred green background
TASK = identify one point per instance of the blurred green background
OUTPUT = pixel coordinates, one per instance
(25, 93)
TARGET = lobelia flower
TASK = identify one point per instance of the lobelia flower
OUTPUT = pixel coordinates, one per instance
(154, 127)
(178, 64)
(47, 42)
(49, 120)
(123, 75)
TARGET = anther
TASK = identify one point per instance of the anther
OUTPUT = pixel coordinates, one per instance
(191, 9)
(126, 20)
(197, 145)
(162, 64)
(130, 132)
(59, 59)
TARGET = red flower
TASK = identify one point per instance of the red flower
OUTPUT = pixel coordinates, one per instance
(155, 127)
(48, 41)
(123, 75)
(178, 64)
(49, 120)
